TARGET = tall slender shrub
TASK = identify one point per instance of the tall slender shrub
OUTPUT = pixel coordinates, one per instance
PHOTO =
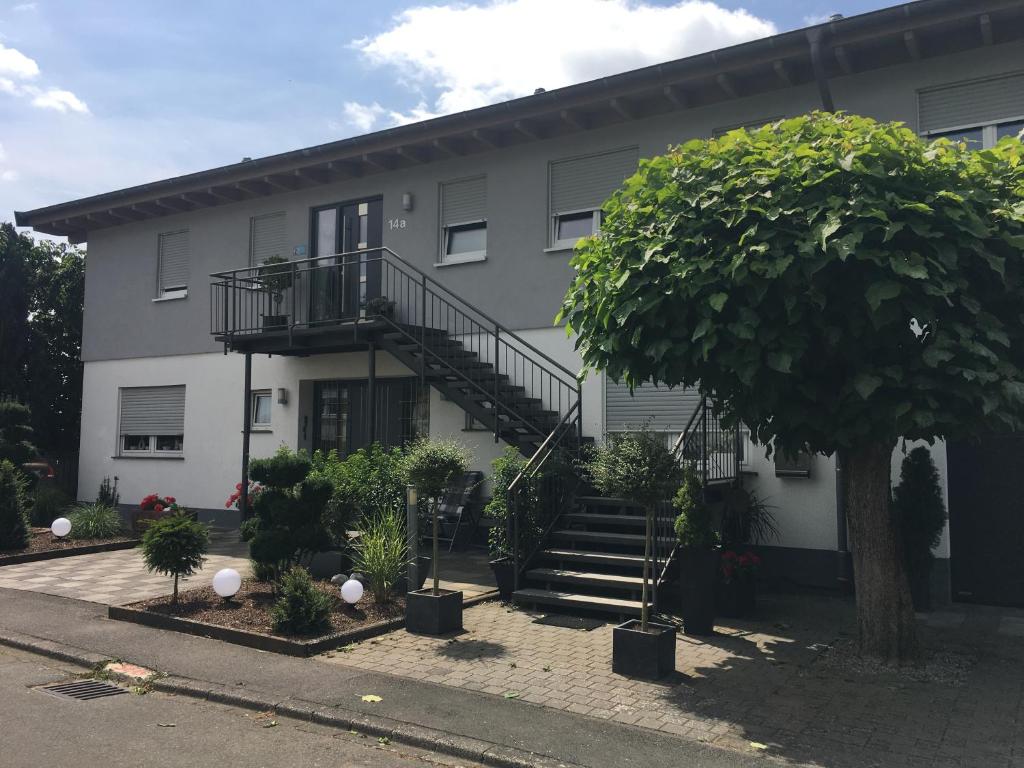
(13, 525)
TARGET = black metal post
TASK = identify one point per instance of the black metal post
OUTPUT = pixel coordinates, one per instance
(514, 538)
(243, 501)
(497, 421)
(371, 391)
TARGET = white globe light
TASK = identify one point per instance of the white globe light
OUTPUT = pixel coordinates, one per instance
(226, 582)
(61, 527)
(351, 591)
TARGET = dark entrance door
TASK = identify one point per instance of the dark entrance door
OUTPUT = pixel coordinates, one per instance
(986, 519)
(342, 420)
(346, 270)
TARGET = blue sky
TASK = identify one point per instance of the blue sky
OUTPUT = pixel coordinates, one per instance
(96, 95)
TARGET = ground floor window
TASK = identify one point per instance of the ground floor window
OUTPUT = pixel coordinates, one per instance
(261, 401)
(151, 421)
(342, 414)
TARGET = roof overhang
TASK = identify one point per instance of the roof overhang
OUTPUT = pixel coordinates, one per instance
(888, 37)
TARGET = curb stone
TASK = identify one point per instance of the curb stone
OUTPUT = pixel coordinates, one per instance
(464, 747)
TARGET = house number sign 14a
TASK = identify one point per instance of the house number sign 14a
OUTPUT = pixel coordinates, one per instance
(396, 224)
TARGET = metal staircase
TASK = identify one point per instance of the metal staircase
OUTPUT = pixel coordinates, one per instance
(592, 557)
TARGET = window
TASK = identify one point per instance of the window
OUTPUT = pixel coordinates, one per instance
(578, 187)
(261, 409)
(172, 264)
(464, 220)
(979, 112)
(151, 421)
(267, 237)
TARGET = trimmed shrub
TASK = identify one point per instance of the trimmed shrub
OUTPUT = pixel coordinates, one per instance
(48, 503)
(15, 432)
(174, 546)
(94, 521)
(918, 507)
(695, 525)
(380, 553)
(13, 525)
(302, 609)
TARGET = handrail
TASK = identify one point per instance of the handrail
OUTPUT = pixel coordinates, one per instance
(231, 274)
(698, 411)
(543, 446)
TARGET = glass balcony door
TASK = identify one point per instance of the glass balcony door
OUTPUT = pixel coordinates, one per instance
(343, 280)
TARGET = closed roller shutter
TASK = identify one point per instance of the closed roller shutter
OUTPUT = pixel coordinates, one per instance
(977, 102)
(584, 183)
(173, 260)
(267, 237)
(751, 125)
(464, 201)
(667, 410)
(153, 410)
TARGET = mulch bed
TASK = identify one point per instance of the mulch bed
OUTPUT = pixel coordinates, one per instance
(43, 545)
(245, 619)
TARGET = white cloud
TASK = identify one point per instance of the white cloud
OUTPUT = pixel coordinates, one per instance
(25, 7)
(6, 174)
(473, 55)
(60, 100)
(14, 63)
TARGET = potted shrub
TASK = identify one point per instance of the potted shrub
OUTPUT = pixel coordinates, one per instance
(432, 467)
(275, 275)
(918, 507)
(174, 546)
(737, 596)
(698, 556)
(506, 468)
(638, 466)
(379, 305)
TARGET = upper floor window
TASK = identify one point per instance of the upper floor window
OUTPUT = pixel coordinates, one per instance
(464, 220)
(979, 112)
(267, 237)
(151, 421)
(172, 264)
(578, 187)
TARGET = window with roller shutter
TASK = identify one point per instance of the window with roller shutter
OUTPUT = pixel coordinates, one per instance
(578, 187)
(172, 264)
(267, 237)
(464, 220)
(151, 421)
(979, 112)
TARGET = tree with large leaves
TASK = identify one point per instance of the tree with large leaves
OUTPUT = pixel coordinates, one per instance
(833, 283)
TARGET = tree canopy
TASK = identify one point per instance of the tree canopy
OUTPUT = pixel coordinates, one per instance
(829, 280)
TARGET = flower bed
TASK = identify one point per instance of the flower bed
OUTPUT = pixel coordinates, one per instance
(43, 545)
(245, 619)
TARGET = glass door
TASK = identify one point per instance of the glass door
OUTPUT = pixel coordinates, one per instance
(346, 266)
(341, 422)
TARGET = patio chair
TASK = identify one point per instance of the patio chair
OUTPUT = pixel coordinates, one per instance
(461, 508)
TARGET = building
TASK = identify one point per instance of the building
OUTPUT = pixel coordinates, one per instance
(466, 223)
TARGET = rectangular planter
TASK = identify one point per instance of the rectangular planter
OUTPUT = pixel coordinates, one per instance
(647, 655)
(50, 554)
(430, 614)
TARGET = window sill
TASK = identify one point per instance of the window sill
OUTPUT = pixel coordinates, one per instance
(264, 430)
(172, 297)
(171, 457)
(560, 248)
(464, 260)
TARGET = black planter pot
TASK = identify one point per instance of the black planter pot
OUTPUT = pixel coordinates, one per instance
(698, 571)
(430, 614)
(422, 570)
(736, 598)
(648, 655)
(275, 322)
(504, 576)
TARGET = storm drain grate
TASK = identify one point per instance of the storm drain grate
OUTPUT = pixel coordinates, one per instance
(83, 690)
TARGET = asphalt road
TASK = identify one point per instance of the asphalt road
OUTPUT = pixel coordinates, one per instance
(40, 730)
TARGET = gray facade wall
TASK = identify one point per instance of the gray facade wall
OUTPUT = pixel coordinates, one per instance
(521, 283)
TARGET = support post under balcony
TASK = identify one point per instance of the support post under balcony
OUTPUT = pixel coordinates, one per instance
(243, 500)
(371, 390)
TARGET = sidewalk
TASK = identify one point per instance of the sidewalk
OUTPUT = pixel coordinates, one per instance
(513, 728)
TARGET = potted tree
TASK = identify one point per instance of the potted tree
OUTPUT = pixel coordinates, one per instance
(921, 514)
(698, 556)
(745, 520)
(276, 277)
(432, 467)
(638, 466)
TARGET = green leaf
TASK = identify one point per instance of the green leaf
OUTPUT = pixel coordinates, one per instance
(717, 301)
(881, 291)
(779, 361)
(866, 384)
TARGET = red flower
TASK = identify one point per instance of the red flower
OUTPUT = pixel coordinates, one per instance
(728, 555)
(238, 486)
(159, 507)
(171, 499)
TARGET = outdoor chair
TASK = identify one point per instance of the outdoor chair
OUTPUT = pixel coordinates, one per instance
(460, 510)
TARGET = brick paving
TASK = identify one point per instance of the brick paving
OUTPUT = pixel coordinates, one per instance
(119, 577)
(765, 682)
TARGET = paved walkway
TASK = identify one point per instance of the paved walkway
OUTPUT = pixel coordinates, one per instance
(119, 577)
(467, 570)
(770, 686)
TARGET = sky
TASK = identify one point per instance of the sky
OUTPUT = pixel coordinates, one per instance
(97, 95)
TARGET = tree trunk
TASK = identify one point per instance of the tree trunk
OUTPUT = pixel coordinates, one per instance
(885, 613)
(174, 597)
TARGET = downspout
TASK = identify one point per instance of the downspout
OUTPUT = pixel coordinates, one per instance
(814, 37)
(843, 575)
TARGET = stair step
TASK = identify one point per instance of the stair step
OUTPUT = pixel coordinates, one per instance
(602, 537)
(594, 558)
(606, 501)
(571, 600)
(612, 580)
(637, 521)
